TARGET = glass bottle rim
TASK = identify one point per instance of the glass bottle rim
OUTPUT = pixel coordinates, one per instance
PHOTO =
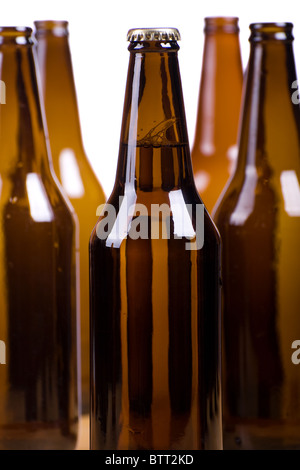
(278, 31)
(20, 35)
(224, 24)
(14, 31)
(51, 27)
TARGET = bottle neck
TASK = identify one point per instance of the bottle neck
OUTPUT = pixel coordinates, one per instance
(58, 87)
(22, 138)
(220, 90)
(269, 138)
(154, 151)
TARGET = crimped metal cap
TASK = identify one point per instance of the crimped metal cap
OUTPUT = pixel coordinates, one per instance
(153, 34)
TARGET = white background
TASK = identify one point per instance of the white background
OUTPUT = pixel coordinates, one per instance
(100, 58)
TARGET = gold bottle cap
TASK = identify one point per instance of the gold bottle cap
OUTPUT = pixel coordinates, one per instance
(153, 34)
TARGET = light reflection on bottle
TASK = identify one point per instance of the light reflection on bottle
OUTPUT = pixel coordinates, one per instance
(70, 174)
(291, 192)
(40, 207)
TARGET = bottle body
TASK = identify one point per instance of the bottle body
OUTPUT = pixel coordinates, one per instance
(214, 150)
(155, 300)
(70, 162)
(38, 382)
(259, 223)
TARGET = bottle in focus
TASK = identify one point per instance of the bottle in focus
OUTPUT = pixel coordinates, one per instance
(155, 287)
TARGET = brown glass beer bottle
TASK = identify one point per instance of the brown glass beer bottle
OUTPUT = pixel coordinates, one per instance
(214, 149)
(155, 290)
(70, 162)
(38, 302)
(259, 221)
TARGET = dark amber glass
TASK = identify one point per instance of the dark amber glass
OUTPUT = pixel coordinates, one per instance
(38, 302)
(155, 305)
(70, 161)
(214, 149)
(259, 221)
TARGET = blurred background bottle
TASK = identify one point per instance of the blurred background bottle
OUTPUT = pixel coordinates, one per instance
(38, 271)
(259, 221)
(155, 300)
(70, 162)
(214, 150)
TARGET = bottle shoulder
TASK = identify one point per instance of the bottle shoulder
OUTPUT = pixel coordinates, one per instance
(37, 198)
(77, 177)
(157, 215)
(252, 198)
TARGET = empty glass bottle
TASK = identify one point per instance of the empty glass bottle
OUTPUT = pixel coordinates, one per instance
(214, 150)
(70, 162)
(155, 291)
(38, 302)
(259, 221)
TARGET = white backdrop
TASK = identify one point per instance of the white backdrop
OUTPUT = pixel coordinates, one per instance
(100, 58)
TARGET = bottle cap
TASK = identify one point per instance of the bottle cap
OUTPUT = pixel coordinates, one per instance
(153, 34)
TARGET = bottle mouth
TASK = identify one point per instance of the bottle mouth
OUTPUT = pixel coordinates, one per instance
(271, 31)
(15, 34)
(57, 28)
(221, 24)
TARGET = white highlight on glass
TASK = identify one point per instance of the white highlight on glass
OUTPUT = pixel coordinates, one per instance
(121, 226)
(40, 207)
(246, 200)
(232, 154)
(70, 174)
(291, 192)
(183, 226)
(202, 180)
